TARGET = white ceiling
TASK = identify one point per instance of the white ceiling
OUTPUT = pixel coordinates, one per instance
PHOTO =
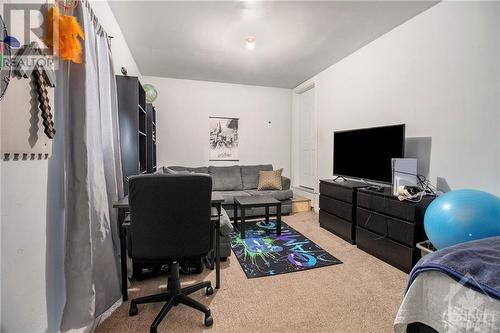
(205, 40)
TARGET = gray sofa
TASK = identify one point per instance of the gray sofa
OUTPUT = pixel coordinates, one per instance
(234, 181)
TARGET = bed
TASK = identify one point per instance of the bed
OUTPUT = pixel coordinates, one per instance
(456, 289)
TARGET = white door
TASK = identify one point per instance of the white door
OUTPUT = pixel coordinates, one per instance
(307, 140)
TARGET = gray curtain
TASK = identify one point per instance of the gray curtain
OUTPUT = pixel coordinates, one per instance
(93, 180)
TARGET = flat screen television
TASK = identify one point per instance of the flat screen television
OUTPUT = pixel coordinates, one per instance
(366, 153)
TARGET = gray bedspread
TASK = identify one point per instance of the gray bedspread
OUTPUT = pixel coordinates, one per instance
(475, 264)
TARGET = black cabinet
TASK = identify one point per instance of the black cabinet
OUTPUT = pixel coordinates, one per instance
(377, 222)
(337, 204)
(390, 229)
(337, 225)
(137, 132)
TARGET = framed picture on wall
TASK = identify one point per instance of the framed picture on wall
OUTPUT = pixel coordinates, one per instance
(223, 139)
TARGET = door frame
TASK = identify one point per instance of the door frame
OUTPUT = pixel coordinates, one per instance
(295, 146)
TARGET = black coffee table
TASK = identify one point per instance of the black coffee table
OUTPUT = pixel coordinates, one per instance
(256, 201)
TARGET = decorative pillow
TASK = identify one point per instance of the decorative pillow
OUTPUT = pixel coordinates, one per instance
(270, 180)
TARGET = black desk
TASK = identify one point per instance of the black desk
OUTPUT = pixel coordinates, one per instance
(122, 206)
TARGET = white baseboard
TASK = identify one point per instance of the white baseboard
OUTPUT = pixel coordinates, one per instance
(309, 194)
(316, 208)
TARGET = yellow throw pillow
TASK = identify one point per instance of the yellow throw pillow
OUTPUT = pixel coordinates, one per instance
(270, 180)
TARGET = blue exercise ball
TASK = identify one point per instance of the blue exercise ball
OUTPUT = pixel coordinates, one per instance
(461, 216)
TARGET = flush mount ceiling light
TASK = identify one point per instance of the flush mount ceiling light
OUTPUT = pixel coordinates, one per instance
(250, 41)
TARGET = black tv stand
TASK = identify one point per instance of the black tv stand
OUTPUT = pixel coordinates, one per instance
(340, 177)
(337, 204)
(389, 229)
(375, 188)
(374, 219)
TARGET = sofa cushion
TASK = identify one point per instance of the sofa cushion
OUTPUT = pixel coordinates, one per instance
(228, 196)
(167, 171)
(226, 178)
(161, 170)
(194, 170)
(278, 195)
(250, 175)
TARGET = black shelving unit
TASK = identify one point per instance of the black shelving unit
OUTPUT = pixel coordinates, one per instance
(137, 128)
(151, 138)
(154, 137)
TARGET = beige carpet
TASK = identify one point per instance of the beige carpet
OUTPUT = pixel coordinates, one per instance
(361, 295)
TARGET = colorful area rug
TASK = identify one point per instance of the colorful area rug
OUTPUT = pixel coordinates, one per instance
(262, 253)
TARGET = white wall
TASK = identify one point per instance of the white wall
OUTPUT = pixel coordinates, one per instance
(440, 74)
(122, 57)
(25, 285)
(184, 106)
(24, 205)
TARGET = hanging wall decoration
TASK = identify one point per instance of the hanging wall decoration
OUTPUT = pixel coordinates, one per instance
(223, 139)
(27, 126)
(43, 77)
(44, 102)
(6, 43)
(63, 32)
(25, 55)
(28, 108)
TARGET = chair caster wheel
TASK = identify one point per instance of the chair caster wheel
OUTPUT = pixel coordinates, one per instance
(153, 330)
(210, 291)
(133, 311)
(209, 321)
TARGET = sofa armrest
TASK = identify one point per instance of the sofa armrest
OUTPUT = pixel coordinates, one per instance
(225, 224)
(285, 182)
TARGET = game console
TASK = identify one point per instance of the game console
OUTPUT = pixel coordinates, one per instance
(404, 173)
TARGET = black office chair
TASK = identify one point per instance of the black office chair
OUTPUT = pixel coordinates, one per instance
(170, 221)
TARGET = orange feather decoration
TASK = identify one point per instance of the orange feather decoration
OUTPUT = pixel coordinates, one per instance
(62, 35)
